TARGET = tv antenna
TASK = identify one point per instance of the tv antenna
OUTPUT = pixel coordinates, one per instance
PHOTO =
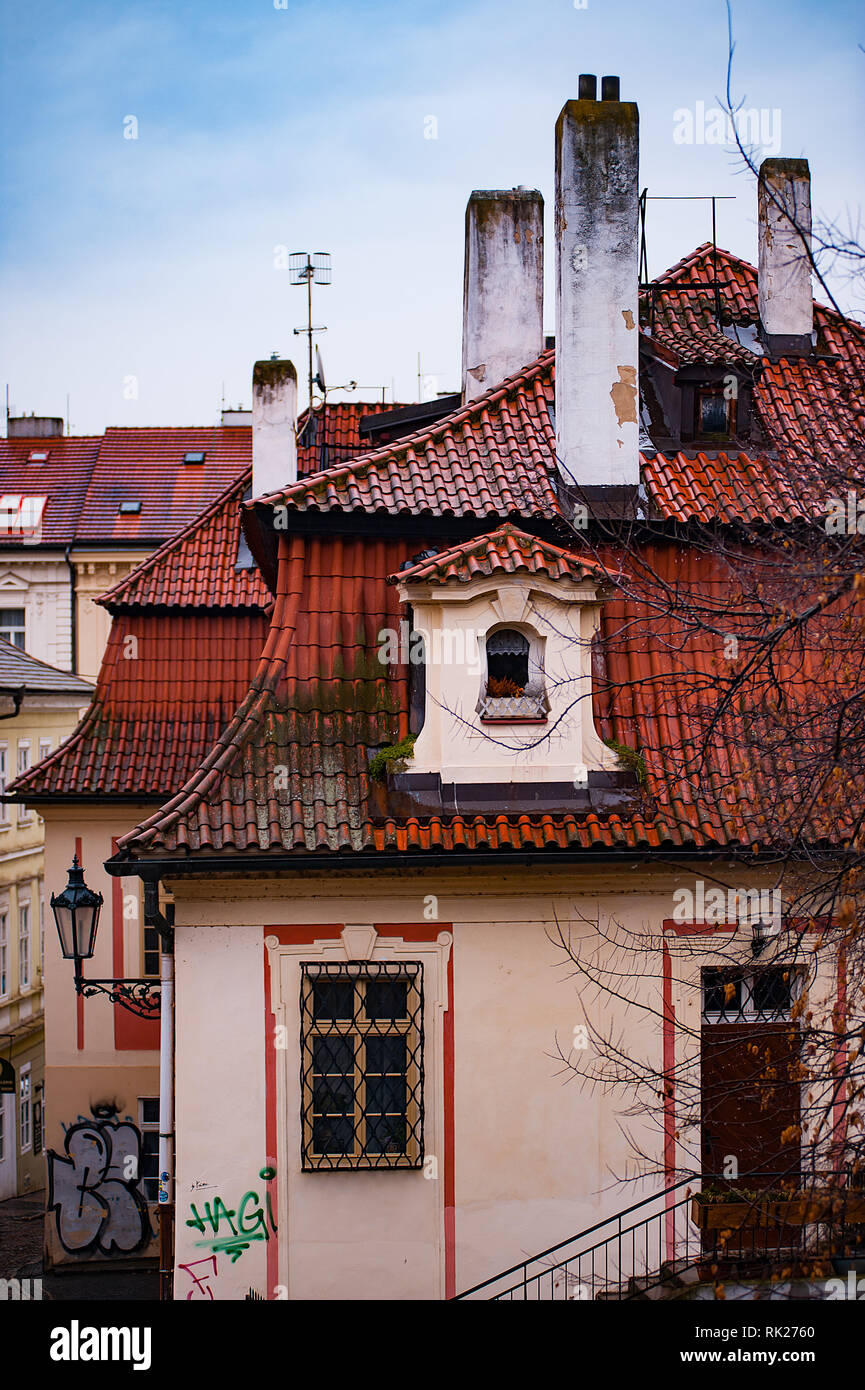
(306, 269)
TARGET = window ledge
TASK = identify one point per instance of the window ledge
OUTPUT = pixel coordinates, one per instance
(514, 707)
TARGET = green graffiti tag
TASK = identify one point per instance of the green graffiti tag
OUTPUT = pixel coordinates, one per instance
(245, 1223)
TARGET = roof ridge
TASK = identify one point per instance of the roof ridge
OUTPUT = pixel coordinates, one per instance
(531, 371)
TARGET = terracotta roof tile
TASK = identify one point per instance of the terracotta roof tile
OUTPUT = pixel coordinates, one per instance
(507, 550)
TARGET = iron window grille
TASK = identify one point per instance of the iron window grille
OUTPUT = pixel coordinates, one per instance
(736, 995)
(361, 1078)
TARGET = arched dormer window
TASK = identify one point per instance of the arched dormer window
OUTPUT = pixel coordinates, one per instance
(513, 686)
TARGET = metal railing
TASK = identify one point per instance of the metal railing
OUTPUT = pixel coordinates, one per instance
(679, 1236)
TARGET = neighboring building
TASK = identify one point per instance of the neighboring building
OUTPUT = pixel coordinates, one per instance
(40, 707)
(78, 513)
(102, 1062)
(371, 840)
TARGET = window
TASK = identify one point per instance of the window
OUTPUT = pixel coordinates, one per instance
(37, 456)
(148, 1123)
(13, 626)
(38, 1118)
(732, 994)
(24, 946)
(4, 954)
(362, 1065)
(713, 413)
(25, 815)
(129, 508)
(24, 1112)
(44, 748)
(507, 663)
(513, 685)
(42, 937)
(193, 458)
(4, 806)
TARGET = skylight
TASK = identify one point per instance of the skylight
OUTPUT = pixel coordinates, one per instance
(127, 508)
(193, 458)
(38, 456)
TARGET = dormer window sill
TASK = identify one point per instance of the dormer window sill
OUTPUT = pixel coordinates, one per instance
(513, 719)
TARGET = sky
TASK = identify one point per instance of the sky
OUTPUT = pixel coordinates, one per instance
(159, 158)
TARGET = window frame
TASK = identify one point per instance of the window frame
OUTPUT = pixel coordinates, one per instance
(25, 1107)
(25, 945)
(361, 1027)
(4, 952)
(150, 1127)
(11, 632)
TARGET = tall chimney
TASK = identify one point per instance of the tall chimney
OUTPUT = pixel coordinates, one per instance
(597, 326)
(274, 426)
(783, 267)
(503, 286)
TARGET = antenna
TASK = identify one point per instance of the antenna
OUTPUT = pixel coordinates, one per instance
(306, 269)
(643, 276)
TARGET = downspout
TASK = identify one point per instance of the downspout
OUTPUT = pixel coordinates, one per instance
(165, 926)
(73, 614)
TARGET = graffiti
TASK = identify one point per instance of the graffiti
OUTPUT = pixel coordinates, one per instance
(200, 1282)
(93, 1189)
(231, 1230)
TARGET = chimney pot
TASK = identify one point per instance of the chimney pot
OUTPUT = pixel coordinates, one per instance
(587, 87)
(609, 89)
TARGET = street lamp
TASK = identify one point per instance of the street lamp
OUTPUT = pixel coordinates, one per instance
(76, 912)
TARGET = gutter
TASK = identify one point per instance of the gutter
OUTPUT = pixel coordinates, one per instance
(17, 694)
(156, 869)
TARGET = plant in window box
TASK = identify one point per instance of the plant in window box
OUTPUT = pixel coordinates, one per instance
(734, 1209)
(504, 699)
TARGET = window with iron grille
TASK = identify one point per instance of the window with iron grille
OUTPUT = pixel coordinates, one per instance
(361, 1035)
(38, 1118)
(735, 995)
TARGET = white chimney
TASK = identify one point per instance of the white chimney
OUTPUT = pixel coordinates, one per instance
(783, 268)
(503, 286)
(274, 426)
(597, 326)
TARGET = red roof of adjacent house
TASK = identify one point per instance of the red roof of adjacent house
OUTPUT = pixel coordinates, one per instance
(506, 550)
(319, 703)
(86, 479)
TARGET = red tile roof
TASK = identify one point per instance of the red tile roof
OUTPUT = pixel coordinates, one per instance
(319, 702)
(506, 550)
(85, 479)
(168, 685)
(491, 458)
(291, 771)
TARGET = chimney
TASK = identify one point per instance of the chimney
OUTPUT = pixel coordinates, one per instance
(34, 427)
(783, 267)
(274, 426)
(597, 327)
(503, 286)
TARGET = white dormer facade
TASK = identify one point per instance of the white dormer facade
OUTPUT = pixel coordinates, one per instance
(508, 676)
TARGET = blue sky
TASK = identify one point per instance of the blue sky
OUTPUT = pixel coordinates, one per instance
(304, 127)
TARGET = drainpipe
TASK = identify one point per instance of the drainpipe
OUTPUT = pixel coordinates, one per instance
(73, 625)
(165, 926)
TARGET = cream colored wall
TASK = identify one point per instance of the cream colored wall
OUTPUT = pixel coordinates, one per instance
(95, 572)
(40, 585)
(563, 618)
(536, 1159)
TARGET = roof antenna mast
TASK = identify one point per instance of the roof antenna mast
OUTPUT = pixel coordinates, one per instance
(304, 269)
